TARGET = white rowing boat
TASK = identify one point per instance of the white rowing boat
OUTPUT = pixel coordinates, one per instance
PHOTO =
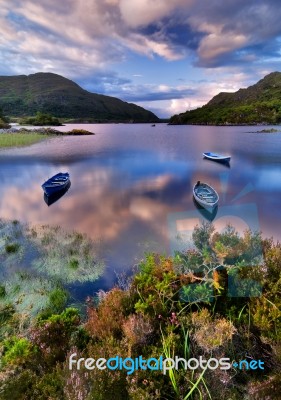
(205, 195)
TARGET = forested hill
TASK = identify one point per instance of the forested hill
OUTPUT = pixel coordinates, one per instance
(50, 93)
(258, 104)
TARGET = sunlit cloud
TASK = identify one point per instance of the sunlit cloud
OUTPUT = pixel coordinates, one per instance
(196, 94)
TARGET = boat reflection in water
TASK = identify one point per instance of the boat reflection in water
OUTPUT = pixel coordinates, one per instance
(209, 215)
(223, 163)
(51, 199)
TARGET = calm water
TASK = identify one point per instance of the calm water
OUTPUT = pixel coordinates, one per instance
(132, 185)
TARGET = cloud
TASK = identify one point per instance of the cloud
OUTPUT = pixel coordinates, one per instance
(139, 13)
(87, 41)
(95, 32)
(138, 93)
(199, 93)
(233, 26)
(215, 45)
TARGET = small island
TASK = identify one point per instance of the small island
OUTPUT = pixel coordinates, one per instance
(41, 119)
(272, 130)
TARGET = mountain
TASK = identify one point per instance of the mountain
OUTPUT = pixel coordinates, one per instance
(50, 93)
(258, 104)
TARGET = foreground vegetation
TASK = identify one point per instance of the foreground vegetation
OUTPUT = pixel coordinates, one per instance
(205, 302)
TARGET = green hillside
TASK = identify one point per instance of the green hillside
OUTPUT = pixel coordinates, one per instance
(258, 104)
(50, 93)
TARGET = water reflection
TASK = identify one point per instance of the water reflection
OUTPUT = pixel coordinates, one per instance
(225, 164)
(209, 215)
(127, 181)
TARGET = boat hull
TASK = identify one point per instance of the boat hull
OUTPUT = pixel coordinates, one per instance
(217, 157)
(205, 196)
(208, 207)
(52, 198)
(58, 183)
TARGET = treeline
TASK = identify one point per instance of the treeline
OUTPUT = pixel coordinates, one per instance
(41, 119)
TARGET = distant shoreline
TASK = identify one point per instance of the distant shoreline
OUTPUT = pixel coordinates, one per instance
(210, 124)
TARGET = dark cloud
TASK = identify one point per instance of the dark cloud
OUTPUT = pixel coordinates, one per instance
(244, 56)
(174, 31)
(142, 95)
(256, 22)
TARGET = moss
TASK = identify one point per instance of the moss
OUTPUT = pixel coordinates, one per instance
(2, 291)
(58, 299)
(12, 247)
(73, 263)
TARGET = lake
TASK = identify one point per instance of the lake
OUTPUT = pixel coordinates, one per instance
(131, 186)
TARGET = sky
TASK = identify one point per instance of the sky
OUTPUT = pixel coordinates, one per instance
(167, 56)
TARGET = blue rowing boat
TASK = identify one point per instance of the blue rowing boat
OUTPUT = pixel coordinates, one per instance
(57, 183)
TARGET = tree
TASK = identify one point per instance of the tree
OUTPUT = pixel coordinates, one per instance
(3, 121)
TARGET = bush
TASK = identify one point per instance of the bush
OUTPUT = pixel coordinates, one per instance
(53, 335)
(58, 299)
(17, 351)
(41, 119)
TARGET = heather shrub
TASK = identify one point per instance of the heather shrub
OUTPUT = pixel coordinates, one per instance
(138, 331)
(18, 385)
(107, 384)
(52, 335)
(76, 382)
(211, 333)
(156, 285)
(106, 320)
(49, 386)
